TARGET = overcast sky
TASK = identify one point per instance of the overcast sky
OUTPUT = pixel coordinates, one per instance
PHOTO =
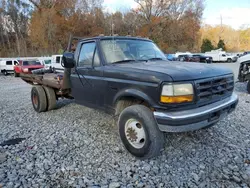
(235, 13)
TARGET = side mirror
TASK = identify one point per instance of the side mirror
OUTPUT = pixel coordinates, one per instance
(68, 60)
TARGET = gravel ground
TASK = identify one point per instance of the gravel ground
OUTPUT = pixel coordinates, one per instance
(75, 146)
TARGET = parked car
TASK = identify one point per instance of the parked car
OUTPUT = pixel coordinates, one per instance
(191, 58)
(56, 61)
(170, 57)
(244, 70)
(181, 54)
(181, 57)
(203, 58)
(187, 58)
(26, 66)
(130, 77)
(7, 66)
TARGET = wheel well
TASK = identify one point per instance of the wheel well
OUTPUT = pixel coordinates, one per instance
(127, 101)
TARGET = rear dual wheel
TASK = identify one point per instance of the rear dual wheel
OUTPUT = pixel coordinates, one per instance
(43, 98)
(51, 98)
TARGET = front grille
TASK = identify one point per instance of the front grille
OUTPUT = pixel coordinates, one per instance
(210, 90)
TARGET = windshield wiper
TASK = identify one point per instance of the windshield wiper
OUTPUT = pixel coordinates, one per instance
(154, 58)
(123, 61)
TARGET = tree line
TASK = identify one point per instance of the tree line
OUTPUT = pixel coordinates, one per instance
(42, 27)
(229, 39)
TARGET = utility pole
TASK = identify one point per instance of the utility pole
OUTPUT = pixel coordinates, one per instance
(112, 29)
(221, 27)
(112, 26)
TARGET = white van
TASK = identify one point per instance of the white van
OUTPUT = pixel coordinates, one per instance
(56, 61)
(7, 66)
(46, 61)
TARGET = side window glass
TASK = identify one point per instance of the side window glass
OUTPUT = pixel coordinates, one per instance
(15, 63)
(96, 62)
(86, 54)
(8, 62)
(58, 58)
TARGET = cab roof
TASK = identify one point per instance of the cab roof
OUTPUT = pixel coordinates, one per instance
(115, 37)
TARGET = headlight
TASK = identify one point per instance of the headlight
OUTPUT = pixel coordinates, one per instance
(25, 70)
(177, 93)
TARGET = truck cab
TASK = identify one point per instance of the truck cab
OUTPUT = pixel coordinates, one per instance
(26, 66)
(132, 77)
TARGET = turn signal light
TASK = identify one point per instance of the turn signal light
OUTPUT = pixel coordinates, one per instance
(176, 99)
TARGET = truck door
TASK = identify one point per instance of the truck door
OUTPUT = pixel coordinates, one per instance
(223, 57)
(57, 65)
(86, 79)
(8, 65)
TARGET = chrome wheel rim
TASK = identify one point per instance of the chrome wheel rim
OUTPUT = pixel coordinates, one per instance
(135, 133)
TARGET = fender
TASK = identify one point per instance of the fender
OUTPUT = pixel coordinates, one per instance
(133, 93)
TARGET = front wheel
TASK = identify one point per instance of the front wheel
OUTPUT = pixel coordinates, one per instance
(53, 69)
(229, 60)
(5, 72)
(139, 132)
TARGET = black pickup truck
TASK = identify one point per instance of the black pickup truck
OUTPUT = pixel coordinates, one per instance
(130, 77)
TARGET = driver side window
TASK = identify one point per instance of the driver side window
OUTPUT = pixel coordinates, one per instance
(86, 54)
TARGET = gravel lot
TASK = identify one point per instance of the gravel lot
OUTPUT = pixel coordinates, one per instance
(75, 146)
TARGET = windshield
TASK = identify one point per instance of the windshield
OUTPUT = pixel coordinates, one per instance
(26, 63)
(125, 50)
(47, 61)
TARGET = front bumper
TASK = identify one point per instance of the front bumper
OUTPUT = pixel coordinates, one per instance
(194, 119)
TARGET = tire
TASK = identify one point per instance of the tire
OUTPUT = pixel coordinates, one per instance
(140, 120)
(51, 98)
(54, 70)
(229, 60)
(16, 74)
(38, 98)
(5, 73)
(248, 86)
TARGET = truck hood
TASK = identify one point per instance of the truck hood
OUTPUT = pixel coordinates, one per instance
(231, 56)
(179, 71)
